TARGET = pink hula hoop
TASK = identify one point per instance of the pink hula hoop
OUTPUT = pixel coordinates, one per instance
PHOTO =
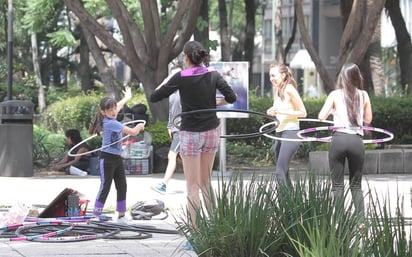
(328, 139)
(301, 139)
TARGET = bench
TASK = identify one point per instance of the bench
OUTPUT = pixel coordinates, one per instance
(382, 161)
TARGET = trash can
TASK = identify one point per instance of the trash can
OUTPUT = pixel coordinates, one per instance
(16, 137)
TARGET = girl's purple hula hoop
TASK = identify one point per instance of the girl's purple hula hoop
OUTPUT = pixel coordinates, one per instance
(328, 139)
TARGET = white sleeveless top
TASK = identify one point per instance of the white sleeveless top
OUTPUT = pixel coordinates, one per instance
(341, 118)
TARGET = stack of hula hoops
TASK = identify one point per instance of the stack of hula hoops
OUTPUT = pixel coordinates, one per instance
(76, 229)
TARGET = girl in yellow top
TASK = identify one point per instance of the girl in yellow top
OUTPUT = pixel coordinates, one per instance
(287, 107)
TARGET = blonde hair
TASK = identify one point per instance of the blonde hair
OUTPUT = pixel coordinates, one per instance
(289, 79)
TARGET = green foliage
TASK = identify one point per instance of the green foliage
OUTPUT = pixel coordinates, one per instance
(159, 133)
(25, 90)
(392, 113)
(75, 112)
(261, 218)
(47, 146)
(62, 38)
(236, 226)
(248, 154)
(38, 14)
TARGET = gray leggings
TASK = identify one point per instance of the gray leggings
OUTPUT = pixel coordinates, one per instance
(347, 146)
(284, 151)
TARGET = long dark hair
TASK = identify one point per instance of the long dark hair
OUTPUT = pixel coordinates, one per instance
(289, 79)
(97, 125)
(196, 53)
(350, 80)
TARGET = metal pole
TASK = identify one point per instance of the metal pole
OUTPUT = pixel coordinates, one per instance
(10, 50)
(273, 30)
(262, 63)
(222, 147)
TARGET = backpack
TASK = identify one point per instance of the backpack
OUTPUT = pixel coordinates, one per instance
(145, 210)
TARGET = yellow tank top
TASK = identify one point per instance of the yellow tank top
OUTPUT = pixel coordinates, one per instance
(286, 122)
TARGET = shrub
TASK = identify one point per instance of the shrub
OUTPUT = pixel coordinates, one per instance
(159, 132)
(261, 218)
(76, 112)
(47, 146)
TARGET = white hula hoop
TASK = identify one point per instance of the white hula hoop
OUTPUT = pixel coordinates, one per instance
(296, 139)
(365, 141)
(103, 147)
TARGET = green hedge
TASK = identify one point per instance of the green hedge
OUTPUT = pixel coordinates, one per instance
(79, 111)
(391, 113)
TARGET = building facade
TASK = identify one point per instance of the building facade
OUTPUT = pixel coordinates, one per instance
(324, 23)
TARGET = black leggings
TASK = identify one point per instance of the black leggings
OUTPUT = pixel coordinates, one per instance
(284, 151)
(347, 146)
(111, 168)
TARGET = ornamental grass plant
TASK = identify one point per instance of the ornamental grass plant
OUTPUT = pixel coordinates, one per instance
(256, 217)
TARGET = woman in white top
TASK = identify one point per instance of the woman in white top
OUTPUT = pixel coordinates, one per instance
(351, 108)
(287, 107)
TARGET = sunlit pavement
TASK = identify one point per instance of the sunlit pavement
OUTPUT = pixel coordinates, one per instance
(41, 190)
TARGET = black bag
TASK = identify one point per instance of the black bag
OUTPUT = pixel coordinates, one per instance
(145, 210)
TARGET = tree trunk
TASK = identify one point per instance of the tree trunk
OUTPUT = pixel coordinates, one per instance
(291, 39)
(328, 82)
(147, 52)
(105, 72)
(225, 36)
(250, 9)
(37, 74)
(357, 35)
(84, 64)
(202, 34)
(360, 41)
(280, 55)
(375, 62)
(404, 44)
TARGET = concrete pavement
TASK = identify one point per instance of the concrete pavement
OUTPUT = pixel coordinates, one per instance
(43, 189)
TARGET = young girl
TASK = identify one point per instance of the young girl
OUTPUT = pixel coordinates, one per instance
(111, 163)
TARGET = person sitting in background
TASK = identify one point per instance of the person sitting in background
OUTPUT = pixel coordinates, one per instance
(74, 165)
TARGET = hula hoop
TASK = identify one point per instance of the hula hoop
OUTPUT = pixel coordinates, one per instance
(103, 147)
(274, 122)
(365, 141)
(308, 139)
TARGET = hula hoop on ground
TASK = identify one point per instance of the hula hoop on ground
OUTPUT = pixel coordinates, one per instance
(274, 122)
(365, 141)
(296, 139)
(103, 147)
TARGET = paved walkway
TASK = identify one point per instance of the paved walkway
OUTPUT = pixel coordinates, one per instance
(43, 189)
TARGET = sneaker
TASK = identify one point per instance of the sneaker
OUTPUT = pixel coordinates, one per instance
(187, 246)
(100, 218)
(124, 221)
(160, 188)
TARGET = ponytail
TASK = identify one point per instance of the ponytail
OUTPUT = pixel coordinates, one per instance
(97, 125)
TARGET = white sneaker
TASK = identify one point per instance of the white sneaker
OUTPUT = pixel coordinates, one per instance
(125, 221)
